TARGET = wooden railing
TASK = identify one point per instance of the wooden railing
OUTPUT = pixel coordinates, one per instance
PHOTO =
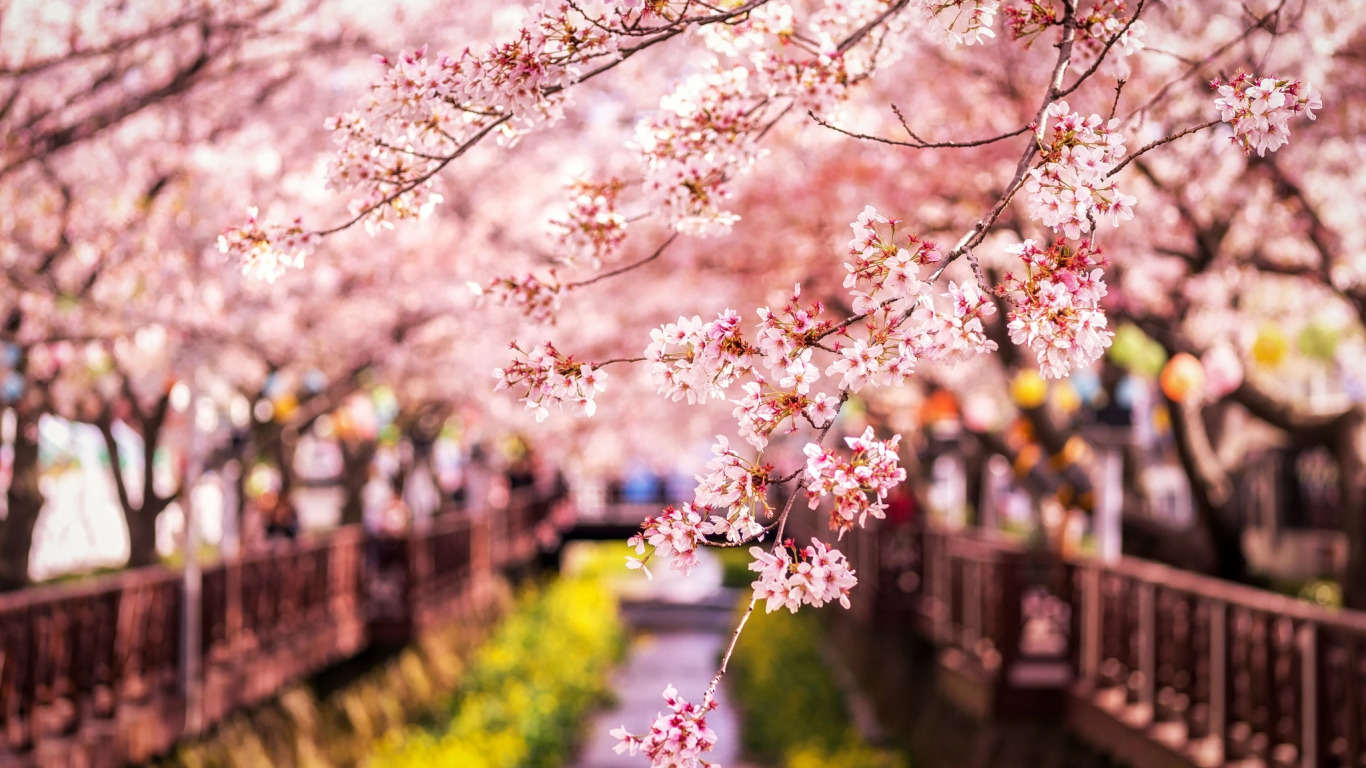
(72, 654)
(94, 673)
(1163, 666)
(1221, 671)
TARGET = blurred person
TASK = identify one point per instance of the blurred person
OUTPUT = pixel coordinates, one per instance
(282, 521)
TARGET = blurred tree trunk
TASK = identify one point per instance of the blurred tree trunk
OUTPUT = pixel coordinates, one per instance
(25, 500)
(1212, 494)
(1350, 450)
(356, 457)
(141, 517)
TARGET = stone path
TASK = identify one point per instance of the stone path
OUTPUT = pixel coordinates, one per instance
(682, 627)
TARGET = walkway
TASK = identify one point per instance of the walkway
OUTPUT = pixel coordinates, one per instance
(682, 627)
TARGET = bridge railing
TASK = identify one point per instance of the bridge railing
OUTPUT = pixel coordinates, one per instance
(1223, 669)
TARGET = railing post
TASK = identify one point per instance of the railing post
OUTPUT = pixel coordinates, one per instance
(1218, 673)
(1311, 751)
(191, 648)
(1011, 609)
(1147, 648)
(1088, 638)
(972, 590)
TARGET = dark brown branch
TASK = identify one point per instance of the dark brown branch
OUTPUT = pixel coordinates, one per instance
(916, 142)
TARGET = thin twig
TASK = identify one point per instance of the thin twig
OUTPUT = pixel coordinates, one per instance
(917, 142)
(1160, 142)
(710, 695)
(622, 270)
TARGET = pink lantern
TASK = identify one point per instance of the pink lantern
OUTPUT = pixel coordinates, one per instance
(1223, 370)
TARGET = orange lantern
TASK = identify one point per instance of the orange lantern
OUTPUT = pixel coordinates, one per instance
(1182, 377)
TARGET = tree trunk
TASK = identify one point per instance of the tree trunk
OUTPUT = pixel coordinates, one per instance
(1211, 491)
(142, 532)
(141, 518)
(282, 451)
(25, 502)
(1350, 448)
(356, 458)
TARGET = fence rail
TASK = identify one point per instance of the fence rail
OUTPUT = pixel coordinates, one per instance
(1164, 666)
(92, 673)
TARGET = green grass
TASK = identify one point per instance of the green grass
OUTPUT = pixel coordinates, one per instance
(793, 714)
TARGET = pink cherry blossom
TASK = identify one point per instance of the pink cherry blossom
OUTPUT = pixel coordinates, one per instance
(676, 739)
(1259, 109)
(790, 577)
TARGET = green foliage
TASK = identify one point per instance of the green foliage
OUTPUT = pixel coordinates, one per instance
(735, 572)
(526, 690)
(332, 723)
(793, 713)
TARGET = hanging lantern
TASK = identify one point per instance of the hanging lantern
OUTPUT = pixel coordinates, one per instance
(1223, 370)
(1319, 341)
(1182, 378)
(1270, 347)
(1028, 389)
(1066, 397)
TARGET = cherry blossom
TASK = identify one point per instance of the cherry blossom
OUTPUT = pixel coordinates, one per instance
(1056, 302)
(537, 299)
(267, 251)
(1259, 109)
(675, 534)
(677, 739)
(961, 22)
(709, 357)
(790, 577)
(592, 229)
(549, 377)
(872, 469)
(737, 485)
(1073, 187)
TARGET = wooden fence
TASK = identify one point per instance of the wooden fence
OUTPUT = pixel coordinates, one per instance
(93, 674)
(1157, 665)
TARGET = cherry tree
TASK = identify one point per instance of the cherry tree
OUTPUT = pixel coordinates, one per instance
(1041, 185)
(116, 116)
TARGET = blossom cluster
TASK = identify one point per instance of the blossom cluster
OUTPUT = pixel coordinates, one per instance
(706, 132)
(1106, 21)
(961, 22)
(738, 486)
(536, 299)
(677, 739)
(592, 229)
(698, 360)
(790, 577)
(267, 251)
(762, 410)
(700, 138)
(1260, 108)
(859, 484)
(549, 377)
(1073, 187)
(674, 534)
(1104, 24)
(1056, 305)
(878, 269)
(883, 277)
(733, 484)
(784, 334)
